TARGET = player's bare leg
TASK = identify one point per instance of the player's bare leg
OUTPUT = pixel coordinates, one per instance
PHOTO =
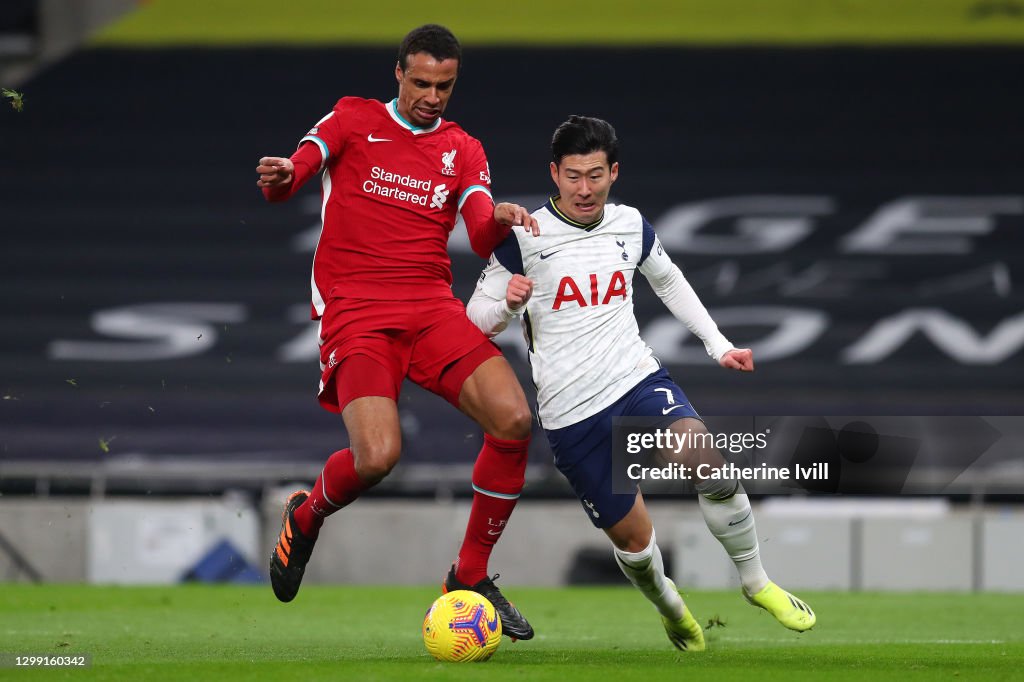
(729, 517)
(638, 555)
(375, 447)
(375, 436)
(492, 396)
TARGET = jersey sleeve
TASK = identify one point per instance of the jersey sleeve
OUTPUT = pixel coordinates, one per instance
(475, 202)
(487, 309)
(671, 286)
(507, 260)
(648, 238)
(475, 173)
(330, 132)
(494, 279)
(327, 137)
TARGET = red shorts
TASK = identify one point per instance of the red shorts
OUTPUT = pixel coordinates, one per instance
(368, 346)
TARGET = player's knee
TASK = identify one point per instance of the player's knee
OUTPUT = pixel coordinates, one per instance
(636, 545)
(375, 461)
(373, 471)
(515, 424)
(636, 542)
(719, 489)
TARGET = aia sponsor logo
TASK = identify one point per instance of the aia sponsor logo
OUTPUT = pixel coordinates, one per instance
(569, 291)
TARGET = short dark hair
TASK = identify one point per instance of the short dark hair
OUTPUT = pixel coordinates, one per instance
(583, 135)
(434, 39)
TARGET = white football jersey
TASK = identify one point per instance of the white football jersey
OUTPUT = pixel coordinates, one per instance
(584, 344)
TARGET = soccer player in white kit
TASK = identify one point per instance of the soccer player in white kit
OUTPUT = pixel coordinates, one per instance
(573, 287)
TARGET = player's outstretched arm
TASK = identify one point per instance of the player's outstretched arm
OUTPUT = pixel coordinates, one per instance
(740, 359)
(488, 224)
(671, 286)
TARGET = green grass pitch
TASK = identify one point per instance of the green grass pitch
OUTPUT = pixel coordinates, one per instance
(372, 633)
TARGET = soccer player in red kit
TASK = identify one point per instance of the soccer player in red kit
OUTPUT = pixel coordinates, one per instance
(395, 177)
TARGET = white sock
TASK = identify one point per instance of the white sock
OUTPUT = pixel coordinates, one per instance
(646, 570)
(732, 521)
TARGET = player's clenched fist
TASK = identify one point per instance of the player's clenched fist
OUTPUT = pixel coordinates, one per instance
(518, 292)
(741, 359)
(275, 171)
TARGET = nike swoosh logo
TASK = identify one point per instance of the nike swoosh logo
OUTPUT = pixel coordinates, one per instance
(666, 410)
(492, 625)
(371, 138)
(494, 532)
(733, 523)
(545, 256)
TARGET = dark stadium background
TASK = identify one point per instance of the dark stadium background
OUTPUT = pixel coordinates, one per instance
(128, 183)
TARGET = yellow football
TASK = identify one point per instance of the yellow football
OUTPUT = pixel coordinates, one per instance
(461, 626)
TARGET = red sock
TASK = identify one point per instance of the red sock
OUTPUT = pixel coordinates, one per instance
(337, 486)
(497, 482)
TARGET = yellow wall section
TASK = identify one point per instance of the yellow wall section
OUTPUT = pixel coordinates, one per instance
(570, 22)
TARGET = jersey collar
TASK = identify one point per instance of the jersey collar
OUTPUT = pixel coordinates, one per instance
(392, 108)
(566, 219)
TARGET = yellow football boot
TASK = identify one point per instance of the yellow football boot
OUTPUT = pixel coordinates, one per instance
(685, 633)
(794, 613)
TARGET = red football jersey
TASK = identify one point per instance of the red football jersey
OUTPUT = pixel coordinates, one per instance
(391, 196)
